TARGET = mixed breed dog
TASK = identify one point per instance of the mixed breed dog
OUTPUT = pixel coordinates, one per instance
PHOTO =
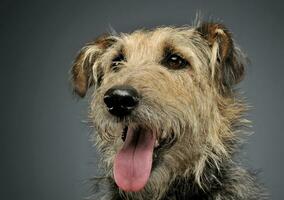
(166, 115)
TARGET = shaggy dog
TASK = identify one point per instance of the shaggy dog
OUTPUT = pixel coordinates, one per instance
(166, 114)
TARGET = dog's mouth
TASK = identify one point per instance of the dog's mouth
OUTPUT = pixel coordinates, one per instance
(133, 163)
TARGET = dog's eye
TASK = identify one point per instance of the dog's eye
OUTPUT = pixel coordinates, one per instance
(117, 61)
(174, 61)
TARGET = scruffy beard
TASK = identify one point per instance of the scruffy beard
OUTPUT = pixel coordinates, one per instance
(169, 158)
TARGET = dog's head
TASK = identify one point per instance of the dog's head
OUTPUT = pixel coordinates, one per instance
(163, 102)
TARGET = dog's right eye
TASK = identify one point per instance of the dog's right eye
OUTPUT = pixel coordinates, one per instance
(174, 61)
(117, 61)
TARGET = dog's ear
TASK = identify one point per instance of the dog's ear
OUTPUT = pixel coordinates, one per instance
(82, 69)
(228, 66)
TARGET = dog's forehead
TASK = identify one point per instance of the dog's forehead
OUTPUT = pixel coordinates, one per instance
(152, 43)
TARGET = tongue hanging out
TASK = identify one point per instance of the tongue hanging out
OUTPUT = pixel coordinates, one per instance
(133, 163)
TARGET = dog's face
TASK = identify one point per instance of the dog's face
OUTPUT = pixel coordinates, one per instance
(160, 100)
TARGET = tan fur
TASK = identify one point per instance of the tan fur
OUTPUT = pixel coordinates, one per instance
(189, 106)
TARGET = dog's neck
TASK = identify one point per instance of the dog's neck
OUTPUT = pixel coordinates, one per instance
(228, 181)
(187, 188)
(183, 189)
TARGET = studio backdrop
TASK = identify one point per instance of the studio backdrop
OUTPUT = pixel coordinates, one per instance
(45, 152)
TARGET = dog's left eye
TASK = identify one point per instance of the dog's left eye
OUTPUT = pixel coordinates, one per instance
(174, 61)
(117, 61)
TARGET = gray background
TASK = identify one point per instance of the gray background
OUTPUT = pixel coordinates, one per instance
(45, 153)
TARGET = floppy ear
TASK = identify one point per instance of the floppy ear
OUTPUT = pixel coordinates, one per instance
(226, 62)
(82, 69)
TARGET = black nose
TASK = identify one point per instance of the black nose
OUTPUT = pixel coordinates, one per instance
(121, 100)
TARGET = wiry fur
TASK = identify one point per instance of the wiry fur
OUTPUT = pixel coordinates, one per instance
(195, 112)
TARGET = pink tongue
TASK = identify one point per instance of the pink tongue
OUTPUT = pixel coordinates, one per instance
(133, 163)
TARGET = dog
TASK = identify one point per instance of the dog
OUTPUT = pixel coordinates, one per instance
(166, 113)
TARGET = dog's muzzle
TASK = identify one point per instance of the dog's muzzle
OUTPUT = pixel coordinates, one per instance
(121, 100)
